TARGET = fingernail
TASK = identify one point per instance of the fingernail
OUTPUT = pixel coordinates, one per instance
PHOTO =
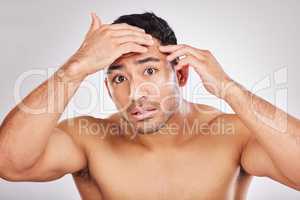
(148, 36)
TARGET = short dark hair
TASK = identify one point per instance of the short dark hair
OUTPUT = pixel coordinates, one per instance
(152, 24)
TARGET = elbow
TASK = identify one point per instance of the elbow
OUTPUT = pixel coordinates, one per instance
(11, 177)
(17, 158)
(11, 170)
(11, 173)
(297, 185)
(295, 180)
(11, 160)
(12, 165)
(6, 172)
(296, 177)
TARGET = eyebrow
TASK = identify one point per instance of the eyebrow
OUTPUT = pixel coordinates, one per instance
(148, 59)
(113, 67)
(141, 61)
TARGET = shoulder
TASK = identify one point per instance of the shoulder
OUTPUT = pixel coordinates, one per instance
(231, 124)
(224, 124)
(82, 128)
(77, 125)
(205, 113)
(88, 128)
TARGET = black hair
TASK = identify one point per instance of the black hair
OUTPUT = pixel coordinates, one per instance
(152, 24)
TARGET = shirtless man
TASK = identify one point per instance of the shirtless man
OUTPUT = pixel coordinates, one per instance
(158, 146)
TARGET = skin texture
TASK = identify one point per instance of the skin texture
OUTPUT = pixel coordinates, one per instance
(183, 151)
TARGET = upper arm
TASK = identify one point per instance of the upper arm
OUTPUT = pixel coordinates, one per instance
(254, 159)
(256, 162)
(61, 156)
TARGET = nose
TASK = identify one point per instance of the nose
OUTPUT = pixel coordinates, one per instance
(143, 90)
(139, 91)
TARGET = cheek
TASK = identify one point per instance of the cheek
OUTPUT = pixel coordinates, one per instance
(168, 84)
(169, 98)
(120, 94)
(164, 78)
(168, 89)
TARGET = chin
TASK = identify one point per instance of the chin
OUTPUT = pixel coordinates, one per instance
(147, 126)
(147, 130)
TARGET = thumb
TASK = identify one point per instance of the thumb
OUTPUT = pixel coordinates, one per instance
(96, 21)
(95, 24)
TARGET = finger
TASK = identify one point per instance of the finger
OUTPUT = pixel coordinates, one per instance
(190, 60)
(176, 54)
(95, 24)
(133, 38)
(91, 27)
(125, 26)
(98, 22)
(183, 51)
(186, 61)
(132, 47)
(169, 48)
(122, 32)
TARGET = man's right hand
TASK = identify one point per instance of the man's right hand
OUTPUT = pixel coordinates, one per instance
(104, 43)
(31, 144)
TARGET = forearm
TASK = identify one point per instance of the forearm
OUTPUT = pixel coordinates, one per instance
(274, 129)
(25, 131)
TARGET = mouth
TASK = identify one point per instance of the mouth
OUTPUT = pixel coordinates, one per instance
(139, 113)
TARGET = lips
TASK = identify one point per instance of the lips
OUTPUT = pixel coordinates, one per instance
(140, 113)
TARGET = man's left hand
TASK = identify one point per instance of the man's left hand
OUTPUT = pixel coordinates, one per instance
(205, 64)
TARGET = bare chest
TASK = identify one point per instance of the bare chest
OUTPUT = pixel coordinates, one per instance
(193, 174)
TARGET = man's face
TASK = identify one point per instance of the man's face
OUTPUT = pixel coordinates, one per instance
(144, 88)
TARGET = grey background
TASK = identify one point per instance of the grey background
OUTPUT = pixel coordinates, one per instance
(255, 41)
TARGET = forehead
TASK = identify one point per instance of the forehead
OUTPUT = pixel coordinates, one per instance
(152, 51)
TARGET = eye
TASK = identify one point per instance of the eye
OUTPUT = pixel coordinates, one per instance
(119, 79)
(150, 71)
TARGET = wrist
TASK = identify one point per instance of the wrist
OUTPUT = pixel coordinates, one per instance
(227, 87)
(233, 89)
(71, 72)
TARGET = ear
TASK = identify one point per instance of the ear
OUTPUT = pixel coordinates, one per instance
(182, 75)
(106, 84)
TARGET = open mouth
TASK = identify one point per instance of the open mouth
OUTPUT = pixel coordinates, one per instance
(139, 113)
